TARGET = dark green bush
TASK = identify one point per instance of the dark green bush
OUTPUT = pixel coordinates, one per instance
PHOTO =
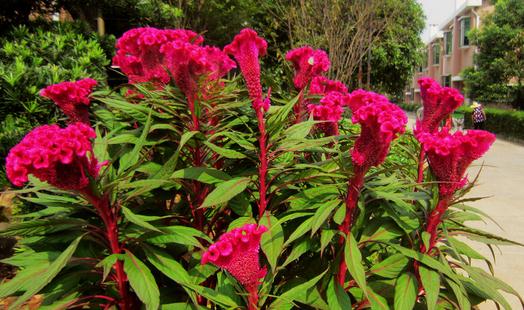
(31, 60)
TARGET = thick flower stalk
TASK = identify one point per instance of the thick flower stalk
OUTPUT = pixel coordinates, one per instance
(138, 53)
(449, 156)
(237, 252)
(63, 157)
(308, 64)
(381, 122)
(246, 48)
(332, 104)
(439, 103)
(72, 98)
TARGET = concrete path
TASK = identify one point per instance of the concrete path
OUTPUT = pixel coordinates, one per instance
(502, 178)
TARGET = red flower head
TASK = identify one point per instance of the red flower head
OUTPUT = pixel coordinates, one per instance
(381, 121)
(450, 155)
(308, 63)
(72, 98)
(237, 252)
(138, 52)
(321, 85)
(439, 103)
(63, 157)
(246, 47)
(189, 62)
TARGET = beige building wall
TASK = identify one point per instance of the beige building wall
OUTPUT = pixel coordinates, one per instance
(451, 65)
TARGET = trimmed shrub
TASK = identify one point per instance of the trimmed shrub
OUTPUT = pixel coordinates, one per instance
(508, 123)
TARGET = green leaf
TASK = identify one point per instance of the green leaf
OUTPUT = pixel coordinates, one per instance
(353, 259)
(337, 297)
(376, 301)
(202, 174)
(391, 267)
(108, 263)
(298, 250)
(298, 131)
(384, 231)
(326, 235)
(287, 298)
(129, 159)
(214, 296)
(405, 292)
(171, 163)
(322, 214)
(225, 191)
(224, 152)
(431, 283)
(460, 294)
(142, 281)
(138, 220)
(301, 230)
(40, 281)
(272, 241)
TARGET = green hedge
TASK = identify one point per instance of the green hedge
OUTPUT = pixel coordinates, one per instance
(507, 123)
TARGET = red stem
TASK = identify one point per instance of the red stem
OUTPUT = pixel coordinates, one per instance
(110, 219)
(421, 159)
(252, 299)
(432, 222)
(262, 168)
(298, 107)
(354, 187)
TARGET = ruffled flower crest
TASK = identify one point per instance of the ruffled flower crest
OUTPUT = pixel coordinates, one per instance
(450, 155)
(439, 103)
(72, 98)
(246, 48)
(308, 63)
(63, 157)
(381, 121)
(237, 252)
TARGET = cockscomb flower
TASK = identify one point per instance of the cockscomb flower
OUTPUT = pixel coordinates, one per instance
(63, 157)
(246, 48)
(321, 85)
(72, 98)
(330, 108)
(138, 52)
(381, 121)
(237, 252)
(449, 155)
(308, 63)
(439, 103)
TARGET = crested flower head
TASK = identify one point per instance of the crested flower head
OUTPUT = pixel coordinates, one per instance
(439, 104)
(63, 157)
(381, 121)
(308, 63)
(72, 98)
(237, 252)
(138, 52)
(321, 85)
(449, 155)
(246, 48)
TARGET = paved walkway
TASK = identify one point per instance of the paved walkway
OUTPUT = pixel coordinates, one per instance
(502, 178)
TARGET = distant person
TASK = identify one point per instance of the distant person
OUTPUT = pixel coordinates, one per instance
(478, 116)
(420, 113)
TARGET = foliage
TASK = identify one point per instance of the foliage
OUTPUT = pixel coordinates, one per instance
(397, 51)
(498, 76)
(142, 203)
(32, 60)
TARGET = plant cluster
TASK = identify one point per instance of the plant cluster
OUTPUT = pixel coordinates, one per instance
(185, 189)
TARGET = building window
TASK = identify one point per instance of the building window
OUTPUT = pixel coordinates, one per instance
(436, 54)
(465, 26)
(446, 80)
(448, 42)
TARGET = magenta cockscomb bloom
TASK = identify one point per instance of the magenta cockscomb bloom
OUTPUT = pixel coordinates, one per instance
(237, 252)
(449, 155)
(381, 121)
(331, 106)
(321, 85)
(246, 48)
(138, 52)
(308, 63)
(72, 98)
(63, 157)
(439, 103)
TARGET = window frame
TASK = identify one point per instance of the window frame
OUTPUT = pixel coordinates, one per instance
(435, 60)
(448, 43)
(463, 33)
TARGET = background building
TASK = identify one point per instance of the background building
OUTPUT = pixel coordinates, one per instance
(449, 50)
